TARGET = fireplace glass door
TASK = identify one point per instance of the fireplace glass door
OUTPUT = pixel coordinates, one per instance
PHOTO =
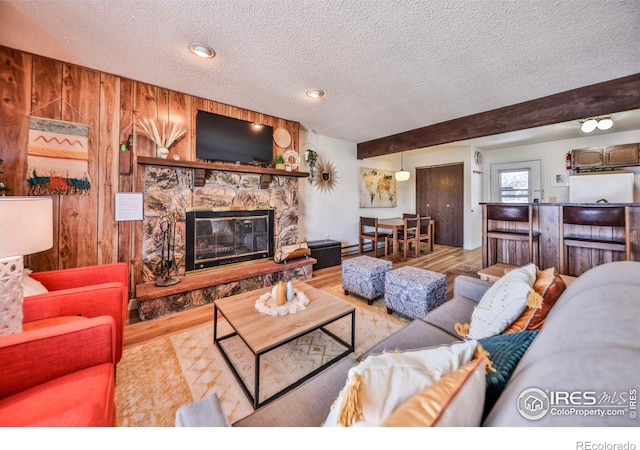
(224, 238)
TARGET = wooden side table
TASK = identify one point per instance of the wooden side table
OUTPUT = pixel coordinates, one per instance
(495, 272)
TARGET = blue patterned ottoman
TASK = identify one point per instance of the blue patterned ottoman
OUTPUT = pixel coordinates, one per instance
(364, 276)
(413, 292)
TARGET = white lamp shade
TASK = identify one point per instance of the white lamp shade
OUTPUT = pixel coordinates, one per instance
(26, 225)
(403, 175)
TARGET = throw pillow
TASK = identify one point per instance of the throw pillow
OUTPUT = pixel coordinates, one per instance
(32, 286)
(456, 400)
(550, 285)
(381, 383)
(503, 303)
(505, 351)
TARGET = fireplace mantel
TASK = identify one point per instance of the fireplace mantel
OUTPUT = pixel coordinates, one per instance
(229, 167)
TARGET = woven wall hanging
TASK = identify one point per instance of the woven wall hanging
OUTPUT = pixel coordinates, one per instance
(57, 157)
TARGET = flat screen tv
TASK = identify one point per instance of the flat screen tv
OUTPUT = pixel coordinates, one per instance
(222, 138)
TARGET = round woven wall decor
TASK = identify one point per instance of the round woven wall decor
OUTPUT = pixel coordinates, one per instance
(281, 137)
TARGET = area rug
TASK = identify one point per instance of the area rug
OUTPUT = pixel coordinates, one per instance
(155, 378)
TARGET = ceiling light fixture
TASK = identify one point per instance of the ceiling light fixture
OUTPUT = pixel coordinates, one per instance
(605, 124)
(315, 93)
(601, 123)
(256, 126)
(201, 50)
(402, 175)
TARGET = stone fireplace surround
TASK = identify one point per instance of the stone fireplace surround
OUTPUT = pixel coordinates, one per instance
(169, 191)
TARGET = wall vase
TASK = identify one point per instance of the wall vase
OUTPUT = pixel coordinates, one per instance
(162, 152)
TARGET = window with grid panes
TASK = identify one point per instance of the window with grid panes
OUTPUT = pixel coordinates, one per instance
(515, 186)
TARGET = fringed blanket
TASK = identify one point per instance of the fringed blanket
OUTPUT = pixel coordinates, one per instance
(57, 157)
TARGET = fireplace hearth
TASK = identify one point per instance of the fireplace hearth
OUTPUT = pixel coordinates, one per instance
(220, 236)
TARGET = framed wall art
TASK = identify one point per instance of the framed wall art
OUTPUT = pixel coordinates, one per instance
(377, 188)
(559, 179)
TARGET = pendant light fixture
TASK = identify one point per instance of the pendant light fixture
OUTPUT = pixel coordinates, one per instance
(402, 175)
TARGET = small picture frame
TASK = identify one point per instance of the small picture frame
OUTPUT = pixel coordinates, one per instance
(559, 179)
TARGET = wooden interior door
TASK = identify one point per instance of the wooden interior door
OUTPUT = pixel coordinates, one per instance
(440, 194)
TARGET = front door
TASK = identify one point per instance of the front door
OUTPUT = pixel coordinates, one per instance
(440, 194)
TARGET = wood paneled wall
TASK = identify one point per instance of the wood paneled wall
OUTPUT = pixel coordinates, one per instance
(85, 230)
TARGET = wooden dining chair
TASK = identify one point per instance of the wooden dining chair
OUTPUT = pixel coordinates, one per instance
(410, 236)
(369, 231)
(425, 233)
(406, 216)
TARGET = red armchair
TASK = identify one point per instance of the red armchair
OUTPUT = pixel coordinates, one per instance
(59, 375)
(60, 371)
(83, 291)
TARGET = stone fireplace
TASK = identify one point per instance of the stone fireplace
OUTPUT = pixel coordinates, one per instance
(170, 193)
(219, 236)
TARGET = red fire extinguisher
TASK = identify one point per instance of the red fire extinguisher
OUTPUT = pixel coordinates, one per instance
(568, 161)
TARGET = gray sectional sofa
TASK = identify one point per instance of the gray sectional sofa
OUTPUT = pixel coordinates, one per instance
(586, 357)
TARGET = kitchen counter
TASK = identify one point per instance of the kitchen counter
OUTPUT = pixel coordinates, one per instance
(566, 204)
(546, 220)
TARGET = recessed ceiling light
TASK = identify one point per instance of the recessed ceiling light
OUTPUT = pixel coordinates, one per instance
(257, 126)
(315, 93)
(201, 50)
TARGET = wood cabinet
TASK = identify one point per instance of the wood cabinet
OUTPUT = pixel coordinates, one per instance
(587, 157)
(624, 155)
(621, 155)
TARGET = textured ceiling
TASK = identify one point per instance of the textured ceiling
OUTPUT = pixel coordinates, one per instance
(386, 66)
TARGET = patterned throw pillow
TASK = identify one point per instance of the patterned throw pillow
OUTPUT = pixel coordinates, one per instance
(505, 351)
(550, 286)
(503, 303)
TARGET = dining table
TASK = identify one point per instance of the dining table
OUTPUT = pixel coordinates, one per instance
(395, 224)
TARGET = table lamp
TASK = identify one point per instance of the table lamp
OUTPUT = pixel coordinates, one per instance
(26, 227)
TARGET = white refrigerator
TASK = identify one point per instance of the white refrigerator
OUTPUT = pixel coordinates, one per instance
(591, 188)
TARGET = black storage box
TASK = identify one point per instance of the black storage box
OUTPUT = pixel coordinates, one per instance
(327, 253)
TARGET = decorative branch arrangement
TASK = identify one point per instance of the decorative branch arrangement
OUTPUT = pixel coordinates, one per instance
(163, 133)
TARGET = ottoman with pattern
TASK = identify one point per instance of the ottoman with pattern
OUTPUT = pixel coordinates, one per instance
(413, 292)
(364, 276)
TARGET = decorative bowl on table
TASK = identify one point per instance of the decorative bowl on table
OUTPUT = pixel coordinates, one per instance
(266, 304)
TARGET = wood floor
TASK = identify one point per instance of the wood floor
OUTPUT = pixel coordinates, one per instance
(442, 260)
